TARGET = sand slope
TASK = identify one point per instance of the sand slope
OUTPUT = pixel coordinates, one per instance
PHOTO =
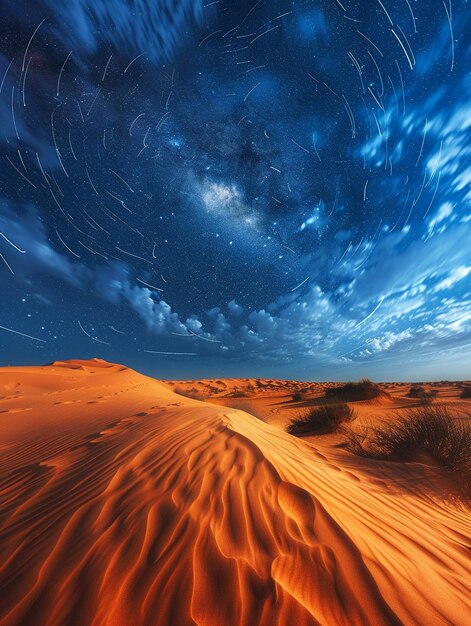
(124, 504)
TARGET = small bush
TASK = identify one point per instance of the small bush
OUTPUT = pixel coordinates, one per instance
(297, 396)
(416, 391)
(466, 392)
(364, 389)
(419, 392)
(321, 420)
(238, 394)
(426, 429)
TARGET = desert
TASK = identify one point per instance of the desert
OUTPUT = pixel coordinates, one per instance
(125, 502)
(235, 313)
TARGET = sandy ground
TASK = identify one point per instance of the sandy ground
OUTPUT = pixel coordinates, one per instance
(123, 503)
(272, 400)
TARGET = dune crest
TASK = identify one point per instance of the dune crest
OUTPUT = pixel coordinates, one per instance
(123, 503)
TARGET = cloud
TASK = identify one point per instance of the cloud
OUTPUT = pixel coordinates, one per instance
(221, 326)
(397, 265)
(443, 212)
(385, 342)
(157, 315)
(454, 277)
(234, 308)
(113, 282)
(155, 28)
(24, 228)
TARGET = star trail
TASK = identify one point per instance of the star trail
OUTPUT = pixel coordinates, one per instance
(270, 188)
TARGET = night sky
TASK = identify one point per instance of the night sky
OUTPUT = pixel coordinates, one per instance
(264, 188)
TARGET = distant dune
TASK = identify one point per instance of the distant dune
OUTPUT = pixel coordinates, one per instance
(123, 503)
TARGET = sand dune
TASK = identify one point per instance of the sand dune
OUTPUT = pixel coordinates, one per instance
(122, 503)
(275, 401)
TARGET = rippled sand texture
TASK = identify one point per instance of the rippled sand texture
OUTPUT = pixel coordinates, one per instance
(122, 503)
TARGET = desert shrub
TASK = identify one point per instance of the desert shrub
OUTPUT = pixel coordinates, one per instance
(297, 396)
(430, 429)
(238, 394)
(364, 389)
(416, 391)
(466, 392)
(421, 393)
(321, 420)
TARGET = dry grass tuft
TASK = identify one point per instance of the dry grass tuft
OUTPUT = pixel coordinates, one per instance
(430, 429)
(364, 389)
(321, 420)
(238, 393)
(421, 393)
(466, 392)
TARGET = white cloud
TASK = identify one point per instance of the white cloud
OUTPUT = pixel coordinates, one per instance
(443, 212)
(453, 277)
(386, 341)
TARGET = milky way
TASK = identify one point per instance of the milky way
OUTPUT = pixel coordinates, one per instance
(271, 188)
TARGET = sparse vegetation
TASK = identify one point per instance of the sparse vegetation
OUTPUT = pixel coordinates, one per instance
(364, 389)
(430, 429)
(297, 396)
(321, 420)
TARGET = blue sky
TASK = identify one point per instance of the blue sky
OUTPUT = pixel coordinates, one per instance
(268, 189)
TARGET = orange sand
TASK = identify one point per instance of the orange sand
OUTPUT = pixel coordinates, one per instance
(124, 504)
